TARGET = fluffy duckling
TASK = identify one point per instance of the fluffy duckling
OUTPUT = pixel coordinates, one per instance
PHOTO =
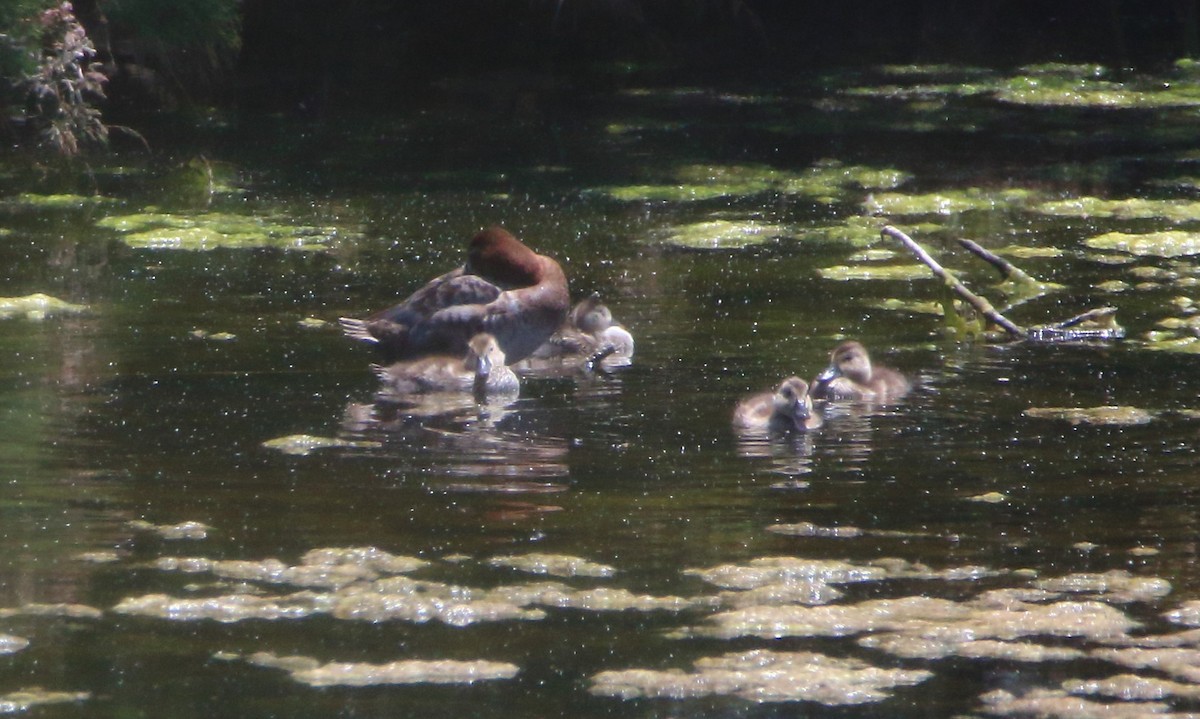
(589, 335)
(850, 375)
(482, 370)
(504, 289)
(786, 409)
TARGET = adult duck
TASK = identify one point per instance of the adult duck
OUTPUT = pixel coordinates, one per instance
(481, 370)
(787, 409)
(851, 375)
(589, 335)
(504, 289)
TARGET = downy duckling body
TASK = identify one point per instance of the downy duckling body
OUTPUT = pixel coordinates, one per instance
(851, 375)
(786, 409)
(481, 370)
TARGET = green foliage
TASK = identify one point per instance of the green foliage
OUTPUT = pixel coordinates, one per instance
(174, 27)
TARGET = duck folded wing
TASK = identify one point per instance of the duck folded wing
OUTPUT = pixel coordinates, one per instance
(450, 290)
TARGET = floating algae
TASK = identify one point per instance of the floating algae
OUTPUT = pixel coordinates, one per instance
(307, 670)
(827, 182)
(559, 565)
(808, 529)
(225, 609)
(55, 202)
(989, 498)
(1116, 585)
(911, 645)
(724, 234)
(1131, 687)
(948, 202)
(1171, 243)
(304, 444)
(212, 230)
(774, 570)
(921, 617)
(11, 645)
(1057, 703)
(37, 306)
(763, 676)
(58, 609)
(1108, 415)
(326, 567)
(25, 699)
(183, 530)
(874, 272)
(1133, 208)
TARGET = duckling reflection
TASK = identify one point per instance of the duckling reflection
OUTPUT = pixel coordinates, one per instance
(851, 375)
(787, 409)
(589, 337)
(482, 370)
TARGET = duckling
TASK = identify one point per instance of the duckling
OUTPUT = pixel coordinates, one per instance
(504, 289)
(589, 335)
(482, 370)
(850, 375)
(786, 409)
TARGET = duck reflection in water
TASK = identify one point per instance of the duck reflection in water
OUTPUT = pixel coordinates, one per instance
(589, 338)
(851, 376)
(504, 289)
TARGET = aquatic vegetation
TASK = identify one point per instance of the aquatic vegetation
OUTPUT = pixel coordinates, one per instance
(913, 306)
(1171, 243)
(1133, 208)
(1115, 586)
(202, 334)
(910, 646)
(1113, 286)
(54, 202)
(1121, 416)
(923, 617)
(763, 676)
(309, 671)
(774, 570)
(224, 609)
(11, 645)
(905, 273)
(313, 323)
(808, 529)
(989, 498)
(1082, 87)
(211, 230)
(827, 182)
(305, 444)
(723, 234)
(67, 610)
(1131, 687)
(948, 202)
(1029, 252)
(99, 557)
(37, 306)
(318, 568)
(559, 565)
(25, 699)
(183, 530)
(1187, 614)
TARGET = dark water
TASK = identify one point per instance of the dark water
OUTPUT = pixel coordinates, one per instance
(122, 414)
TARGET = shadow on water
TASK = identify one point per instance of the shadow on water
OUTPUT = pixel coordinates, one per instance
(606, 544)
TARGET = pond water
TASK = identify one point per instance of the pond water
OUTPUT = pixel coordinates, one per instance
(605, 545)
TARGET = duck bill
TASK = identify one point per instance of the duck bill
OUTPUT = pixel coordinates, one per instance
(828, 375)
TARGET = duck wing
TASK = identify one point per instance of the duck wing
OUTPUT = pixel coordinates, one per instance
(451, 289)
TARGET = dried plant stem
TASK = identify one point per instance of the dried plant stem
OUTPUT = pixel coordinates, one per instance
(980, 304)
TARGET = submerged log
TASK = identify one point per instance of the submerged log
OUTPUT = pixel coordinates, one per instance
(1099, 323)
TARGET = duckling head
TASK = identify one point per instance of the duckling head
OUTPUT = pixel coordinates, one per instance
(791, 400)
(590, 315)
(849, 360)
